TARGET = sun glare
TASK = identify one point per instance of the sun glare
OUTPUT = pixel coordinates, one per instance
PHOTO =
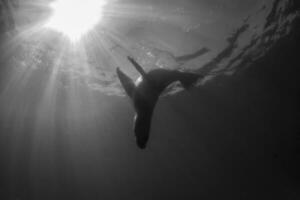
(74, 18)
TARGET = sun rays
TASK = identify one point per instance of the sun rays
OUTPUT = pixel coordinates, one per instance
(74, 18)
(97, 39)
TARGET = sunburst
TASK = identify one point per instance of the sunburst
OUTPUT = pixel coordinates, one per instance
(74, 18)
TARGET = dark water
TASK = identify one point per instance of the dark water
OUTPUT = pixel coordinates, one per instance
(235, 136)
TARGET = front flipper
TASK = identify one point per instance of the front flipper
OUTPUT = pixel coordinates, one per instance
(126, 82)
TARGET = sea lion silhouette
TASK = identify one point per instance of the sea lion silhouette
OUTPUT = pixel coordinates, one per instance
(145, 92)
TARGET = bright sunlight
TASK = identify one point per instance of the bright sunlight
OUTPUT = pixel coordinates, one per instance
(74, 18)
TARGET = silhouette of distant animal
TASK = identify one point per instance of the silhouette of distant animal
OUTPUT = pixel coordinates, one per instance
(145, 92)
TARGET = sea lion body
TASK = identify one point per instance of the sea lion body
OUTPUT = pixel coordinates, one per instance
(145, 93)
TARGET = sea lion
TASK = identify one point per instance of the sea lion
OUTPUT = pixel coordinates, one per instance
(145, 92)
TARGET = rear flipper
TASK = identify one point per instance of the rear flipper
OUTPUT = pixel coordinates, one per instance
(126, 82)
(188, 79)
(137, 67)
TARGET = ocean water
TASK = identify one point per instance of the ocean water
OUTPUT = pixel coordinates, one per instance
(66, 125)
